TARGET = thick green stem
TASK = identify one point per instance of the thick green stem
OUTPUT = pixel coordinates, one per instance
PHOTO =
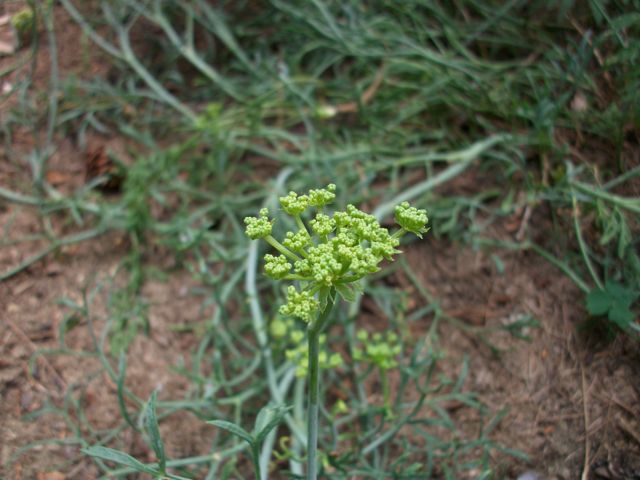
(314, 388)
(281, 248)
(255, 456)
(399, 233)
(386, 393)
(312, 412)
(300, 223)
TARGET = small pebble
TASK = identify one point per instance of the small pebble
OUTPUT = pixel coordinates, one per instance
(530, 475)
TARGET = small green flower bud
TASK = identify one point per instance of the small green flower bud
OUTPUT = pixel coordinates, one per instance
(335, 360)
(326, 111)
(323, 224)
(276, 267)
(380, 350)
(278, 328)
(340, 407)
(297, 241)
(411, 219)
(258, 227)
(297, 336)
(294, 204)
(300, 304)
(323, 196)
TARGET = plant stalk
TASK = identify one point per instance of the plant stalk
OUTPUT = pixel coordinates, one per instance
(255, 457)
(314, 388)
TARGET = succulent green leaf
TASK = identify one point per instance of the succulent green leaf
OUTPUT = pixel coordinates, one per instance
(151, 421)
(120, 458)
(614, 300)
(598, 302)
(268, 418)
(234, 429)
(621, 315)
(346, 292)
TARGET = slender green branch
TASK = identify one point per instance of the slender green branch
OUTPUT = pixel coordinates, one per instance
(68, 240)
(631, 204)
(300, 223)
(281, 248)
(187, 50)
(581, 242)
(565, 268)
(463, 160)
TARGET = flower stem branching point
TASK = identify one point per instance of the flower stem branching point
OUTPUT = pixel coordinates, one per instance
(327, 260)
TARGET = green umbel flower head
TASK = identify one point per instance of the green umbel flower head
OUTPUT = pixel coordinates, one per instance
(300, 304)
(411, 219)
(299, 355)
(335, 253)
(323, 224)
(323, 196)
(258, 227)
(297, 241)
(378, 349)
(294, 204)
(276, 267)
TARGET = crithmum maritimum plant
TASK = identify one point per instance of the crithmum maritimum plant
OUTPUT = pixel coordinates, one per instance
(326, 260)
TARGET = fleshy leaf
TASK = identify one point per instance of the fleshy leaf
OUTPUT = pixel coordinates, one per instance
(151, 421)
(120, 458)
(268, 418)
(236, 430)
(598, 302)
(346, 292)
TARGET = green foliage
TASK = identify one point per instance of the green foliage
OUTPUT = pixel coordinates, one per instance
(381, 350)
(614, 301)
(299, 355)
(151, 423)
(159, 470)
(129, 318)
(268, 418)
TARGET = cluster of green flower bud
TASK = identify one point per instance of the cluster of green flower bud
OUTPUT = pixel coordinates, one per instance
(276, 267)
(300, 304)
(287, 332)
(299, 355)
(411, 219)
(341, 250)
(378, 349)
(259, 227)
